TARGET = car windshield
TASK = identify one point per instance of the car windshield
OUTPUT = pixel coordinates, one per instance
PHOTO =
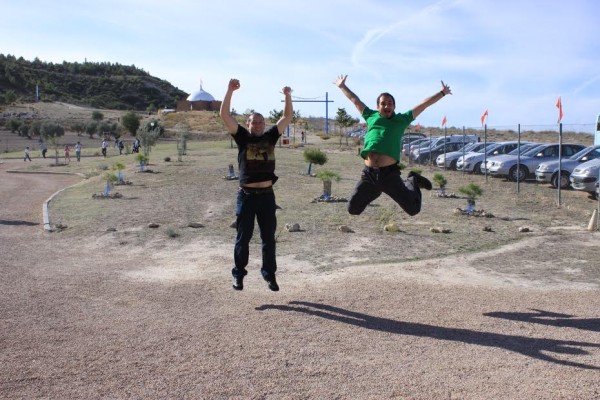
(593, 153)
(524, 148)
(489, 146)
(534, 150)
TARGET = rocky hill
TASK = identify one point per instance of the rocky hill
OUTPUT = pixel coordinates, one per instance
(99, 85)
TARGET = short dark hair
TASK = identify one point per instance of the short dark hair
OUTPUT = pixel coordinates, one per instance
(388, 95)
(254, 114)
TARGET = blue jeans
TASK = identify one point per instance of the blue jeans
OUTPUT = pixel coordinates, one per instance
(375, 181)
(259, 204)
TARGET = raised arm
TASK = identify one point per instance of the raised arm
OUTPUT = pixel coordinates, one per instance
(230, 123)
(431, 100)
(288, 111)
(341, 83)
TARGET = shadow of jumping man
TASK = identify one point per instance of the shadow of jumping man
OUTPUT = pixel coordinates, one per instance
(532, 347)
(550, 318)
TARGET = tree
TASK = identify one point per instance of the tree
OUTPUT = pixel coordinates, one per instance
(441, 181)
(91, 127)
(131, 122)
(327, 176)
(183, 134)
(14, 125)
(344, 120)
(148, 137)
(97, 116)
(315, 156)
(472, 191)
(275, 115)
(51, 132)
(119, 167)
(78, 127)
(10, 97)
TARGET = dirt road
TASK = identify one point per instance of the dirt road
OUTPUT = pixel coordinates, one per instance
(83, 319)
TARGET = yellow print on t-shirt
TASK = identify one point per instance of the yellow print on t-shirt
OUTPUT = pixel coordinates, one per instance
(260, 152)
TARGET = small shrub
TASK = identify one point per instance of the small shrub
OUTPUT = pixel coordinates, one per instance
(167, 159)
(172, 233)
(440, 180)
(327, 175)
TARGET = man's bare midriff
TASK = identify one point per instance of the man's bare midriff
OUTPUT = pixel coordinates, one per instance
(378, 160)
(263, 184)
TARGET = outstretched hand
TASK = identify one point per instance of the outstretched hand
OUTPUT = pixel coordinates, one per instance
(234, 84)
(340, 81)
(445, 88)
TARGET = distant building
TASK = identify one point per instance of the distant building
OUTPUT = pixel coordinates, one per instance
(199, 100)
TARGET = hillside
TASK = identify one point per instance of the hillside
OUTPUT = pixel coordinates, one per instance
(99, 85)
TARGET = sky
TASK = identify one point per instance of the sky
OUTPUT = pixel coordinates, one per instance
(513, 58)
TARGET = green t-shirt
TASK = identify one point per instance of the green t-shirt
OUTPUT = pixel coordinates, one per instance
(384, 135)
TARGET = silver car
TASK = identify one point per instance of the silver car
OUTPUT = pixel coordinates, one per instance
(519, 169)
(520, 149)
(585, 176)
(448, 160)
(406, 148)
(472, 162)
(547, 172)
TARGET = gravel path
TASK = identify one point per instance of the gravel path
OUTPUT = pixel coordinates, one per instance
(80, 319)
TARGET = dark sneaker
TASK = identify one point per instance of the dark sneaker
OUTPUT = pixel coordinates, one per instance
(238, 282)
(420, 181)
(272, 283)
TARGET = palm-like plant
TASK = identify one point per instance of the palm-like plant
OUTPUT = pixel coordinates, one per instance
(327, 177)
(472, 191)
(440, 180)
(314, 156)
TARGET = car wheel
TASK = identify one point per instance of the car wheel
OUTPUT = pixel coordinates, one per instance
(477, 168)
(453, 165)
(518, 174)
(564, 180)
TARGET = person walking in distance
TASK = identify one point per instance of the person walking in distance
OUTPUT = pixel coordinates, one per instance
(104, 147)
(78, 151)
(67, 154)
(44, 148)
(26, 154)
(381, 152)
(255, 197)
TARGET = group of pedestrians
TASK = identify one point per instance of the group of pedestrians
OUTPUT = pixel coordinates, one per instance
(78, 147)
(256, 164)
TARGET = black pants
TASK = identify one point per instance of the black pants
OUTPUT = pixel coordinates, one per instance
(375, 181)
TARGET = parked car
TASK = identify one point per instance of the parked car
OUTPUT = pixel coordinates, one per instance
(519, 169)
(410, 137)
(547, 172)
(406, 149)
(425, 155)
(435, 143)
(448, 160)
(585, 176)
(524, 148)
(472, 162)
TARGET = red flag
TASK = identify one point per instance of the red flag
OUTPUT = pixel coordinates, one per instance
(485, 114)
(560, 112)
(444, 121)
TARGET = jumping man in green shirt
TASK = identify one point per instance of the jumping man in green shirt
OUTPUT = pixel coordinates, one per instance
(381, 152)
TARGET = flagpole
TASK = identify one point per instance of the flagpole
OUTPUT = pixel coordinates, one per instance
(559, 163)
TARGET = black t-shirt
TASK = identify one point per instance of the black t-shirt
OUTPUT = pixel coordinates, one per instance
(256, 155)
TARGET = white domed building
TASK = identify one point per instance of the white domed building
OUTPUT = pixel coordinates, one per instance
(200, 100)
